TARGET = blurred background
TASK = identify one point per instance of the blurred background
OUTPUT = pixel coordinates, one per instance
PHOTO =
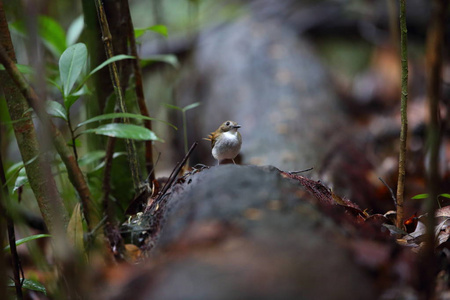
(312, 83)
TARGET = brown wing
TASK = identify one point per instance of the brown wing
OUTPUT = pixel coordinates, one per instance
(213, 136)
(211, 139)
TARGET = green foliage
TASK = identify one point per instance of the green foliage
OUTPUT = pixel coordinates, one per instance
(55, 109)
(161, 29)
(75, 30)
(165, 58)
(30, 285)
(50, 32)
(125, 131)
(122, 115)
(71, 64)
(183, 112)
(426, 196)
(27, 239)
(22, 68)
(67, 71)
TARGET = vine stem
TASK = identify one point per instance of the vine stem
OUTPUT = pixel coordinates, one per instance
(115, 78)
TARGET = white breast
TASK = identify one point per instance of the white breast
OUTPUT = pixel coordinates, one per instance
(227, 147)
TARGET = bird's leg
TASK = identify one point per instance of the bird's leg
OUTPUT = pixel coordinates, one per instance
(233, 161)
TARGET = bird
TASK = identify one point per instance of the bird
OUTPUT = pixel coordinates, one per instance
(226, 141)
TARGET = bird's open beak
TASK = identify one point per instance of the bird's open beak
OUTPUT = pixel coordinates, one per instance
(237, 126)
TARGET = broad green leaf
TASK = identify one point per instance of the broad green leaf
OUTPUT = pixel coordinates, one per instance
(166, 58)
(30, 285)
(74, 31)
(420, 196)
(110, 60)
(75, 228)
(161, 29)
(71, 64)
(191, 106)
(445, 195)
(27, 239)
(52, 35)
(125, 131)
(55, 109)
(121, 115)
(21, 180)
(173, 106)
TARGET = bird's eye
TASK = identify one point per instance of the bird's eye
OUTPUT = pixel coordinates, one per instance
(227, 123)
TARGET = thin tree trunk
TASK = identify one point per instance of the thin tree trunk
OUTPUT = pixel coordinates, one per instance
(37, 169)
(435, 42)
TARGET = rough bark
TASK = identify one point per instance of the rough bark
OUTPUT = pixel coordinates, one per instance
(37, 169)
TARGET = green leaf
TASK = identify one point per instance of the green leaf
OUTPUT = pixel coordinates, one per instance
(161, 29)
(420, 196)
(74, 31)
(166, 58)
(21, 180)
(445, 195)
(70, 100)
(56, 84)
(34, 286)
(110, 60)
(71, 64)
(55, 109)
(30, 285)
(122, 115)
(173, 106)
(91, 157)
(14, 168)
(102, 164)
(75, 228)
(27, 239)
(191, 106)
(125, 131)
(52, 34)
(24, 69)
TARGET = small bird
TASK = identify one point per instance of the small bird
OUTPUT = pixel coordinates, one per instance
(226, 141)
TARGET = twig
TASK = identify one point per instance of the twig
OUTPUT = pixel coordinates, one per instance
(404, 117)
(301, 171)
(72, 135)
(177, 169)
(390, 190)
(115, 78)
(16, 265)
